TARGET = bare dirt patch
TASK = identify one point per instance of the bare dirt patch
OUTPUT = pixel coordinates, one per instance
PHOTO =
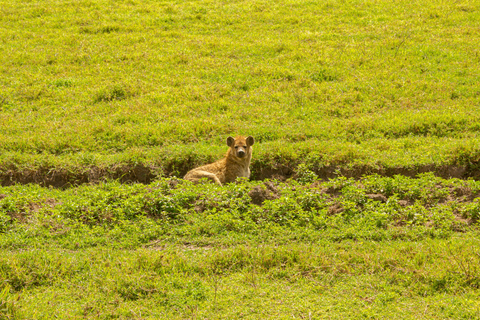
(267, 191)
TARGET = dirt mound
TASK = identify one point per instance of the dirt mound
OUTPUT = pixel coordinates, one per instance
(377, 197)
(267, 191)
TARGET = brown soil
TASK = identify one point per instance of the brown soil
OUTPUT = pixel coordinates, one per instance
(61, 178)
(267, 191)
(377, 197)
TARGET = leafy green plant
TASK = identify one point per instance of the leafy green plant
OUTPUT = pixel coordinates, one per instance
(305, 175)
(472, 210)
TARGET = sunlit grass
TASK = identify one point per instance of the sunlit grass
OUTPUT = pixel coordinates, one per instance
(380, 247)
(130, 90)
(108, 78)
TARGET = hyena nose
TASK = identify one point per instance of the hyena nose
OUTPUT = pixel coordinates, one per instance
(241, 153)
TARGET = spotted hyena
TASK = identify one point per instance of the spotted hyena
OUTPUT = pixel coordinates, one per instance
(236, 163)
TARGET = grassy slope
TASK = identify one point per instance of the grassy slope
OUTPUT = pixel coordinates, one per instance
(377, 247)
(347, 281)
(104, 88)
(100, 84)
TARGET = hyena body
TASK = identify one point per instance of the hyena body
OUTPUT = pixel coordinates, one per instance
(236, 163)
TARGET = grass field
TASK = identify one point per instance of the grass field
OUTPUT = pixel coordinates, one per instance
(93, 89)
(363, 201)
(378, 247)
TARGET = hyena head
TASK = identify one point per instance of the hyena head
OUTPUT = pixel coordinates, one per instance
(241, 147)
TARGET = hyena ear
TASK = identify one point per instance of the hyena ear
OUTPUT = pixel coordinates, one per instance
(250, 141)
(230, 141)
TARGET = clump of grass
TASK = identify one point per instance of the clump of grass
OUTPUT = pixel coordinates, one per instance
(323, 75)
(100, 30)
(113, 93)
(63, 83)
(8, 308)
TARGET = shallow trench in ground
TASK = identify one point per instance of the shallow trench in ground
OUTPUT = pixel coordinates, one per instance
(62, 178)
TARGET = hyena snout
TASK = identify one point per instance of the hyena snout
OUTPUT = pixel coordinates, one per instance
(241, 152)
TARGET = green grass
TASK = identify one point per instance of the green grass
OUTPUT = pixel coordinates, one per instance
(378, 247)
(91, 84)
(380, 97)
(352, 280)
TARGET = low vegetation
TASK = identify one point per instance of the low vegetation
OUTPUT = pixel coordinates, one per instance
(375, 247)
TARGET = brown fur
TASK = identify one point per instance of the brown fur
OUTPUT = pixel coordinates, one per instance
(236, 163)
